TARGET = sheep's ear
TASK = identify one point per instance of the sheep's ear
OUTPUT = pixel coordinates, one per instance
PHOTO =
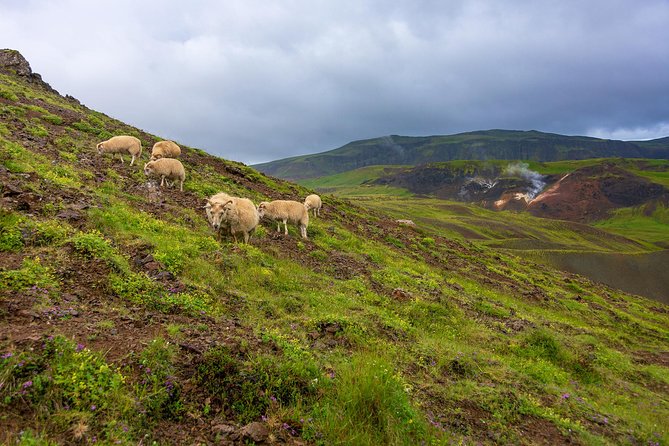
(208, 205)
(227, 203)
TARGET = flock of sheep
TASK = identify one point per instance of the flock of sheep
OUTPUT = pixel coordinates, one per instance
(233, 215)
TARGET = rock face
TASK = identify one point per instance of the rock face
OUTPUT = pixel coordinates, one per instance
(13, 62)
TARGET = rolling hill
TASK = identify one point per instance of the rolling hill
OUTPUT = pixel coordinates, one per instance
(481, 145)
(124, 319)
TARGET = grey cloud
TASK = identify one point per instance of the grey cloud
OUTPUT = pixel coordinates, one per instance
(255, 81)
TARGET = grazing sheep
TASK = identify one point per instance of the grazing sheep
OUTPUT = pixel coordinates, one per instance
(121, 144)
(165, 149)
(167, 169)
(284, 211)
(314, 202)
(214, 209)
(242, 216)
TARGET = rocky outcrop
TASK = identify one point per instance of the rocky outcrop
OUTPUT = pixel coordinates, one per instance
(11, 61)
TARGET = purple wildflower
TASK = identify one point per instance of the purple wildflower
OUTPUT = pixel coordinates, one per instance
(27, 384)
(273, 398)
(80, 347)
(565, 396)
(93, 407)
(7, 355)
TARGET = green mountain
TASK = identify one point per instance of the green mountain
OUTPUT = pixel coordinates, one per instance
(124, 319)
(482, 145)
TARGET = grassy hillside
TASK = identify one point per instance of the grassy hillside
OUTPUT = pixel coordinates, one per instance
(124, 320)
(481, 145)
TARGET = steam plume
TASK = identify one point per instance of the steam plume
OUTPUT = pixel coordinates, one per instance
(522, 170)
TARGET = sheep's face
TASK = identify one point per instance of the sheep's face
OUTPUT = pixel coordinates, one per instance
(156, 156)
(215, 214)
(101, 148)
(149, 168)
(262, 208)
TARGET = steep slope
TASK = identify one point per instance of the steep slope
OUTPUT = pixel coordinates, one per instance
(123, 320)
(481, 145)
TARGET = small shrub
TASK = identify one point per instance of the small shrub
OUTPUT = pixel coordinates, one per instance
(427, 242)
(11, 238)
(48, 232)
(38, 131)
(248, 388)
(368, 395)
(462, 366)
(85, 127)
(104, 135)
(159, 392)
(69, 156)
(93, 244)
(31, 274)
(53, 119)
(9, 95)
(394, 241)
(541, 343)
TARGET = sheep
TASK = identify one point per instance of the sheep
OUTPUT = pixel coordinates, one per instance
(121, 144)
(215, 213)
(242, 216)
(314, 202)
(284, 211)
(239, 214)
(165, 149)
(167, 169)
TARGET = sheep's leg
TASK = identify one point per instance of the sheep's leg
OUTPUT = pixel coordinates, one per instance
(285, 227)
(319, 211)
(132, 161)
(121, 156)
(278, 226)
(303, 231)
(181, 186)
(246, 237)
(162, 180)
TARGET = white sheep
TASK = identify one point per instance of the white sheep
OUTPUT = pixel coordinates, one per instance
(284, 211)
(167, 169)
(215, 213)
(242, 216)
(165, 149)
(314, 202)
(121, 144)
(239, 215)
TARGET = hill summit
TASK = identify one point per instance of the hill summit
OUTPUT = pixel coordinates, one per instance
(480, 145)
(126, 319)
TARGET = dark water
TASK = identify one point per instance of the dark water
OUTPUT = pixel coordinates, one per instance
(643, 274)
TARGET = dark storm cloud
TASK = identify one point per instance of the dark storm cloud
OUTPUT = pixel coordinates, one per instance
(255, 81)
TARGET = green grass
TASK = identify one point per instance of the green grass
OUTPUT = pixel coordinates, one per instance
(639, 223)
(367, 333)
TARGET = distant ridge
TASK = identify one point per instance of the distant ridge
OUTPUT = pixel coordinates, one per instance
(480, 145)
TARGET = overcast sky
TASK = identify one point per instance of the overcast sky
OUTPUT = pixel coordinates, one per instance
(258, 80)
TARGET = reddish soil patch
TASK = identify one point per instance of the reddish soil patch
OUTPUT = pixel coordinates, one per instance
(590, 194)
(537, 431)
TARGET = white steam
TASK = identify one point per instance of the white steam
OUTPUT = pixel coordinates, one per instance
(522, 170)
